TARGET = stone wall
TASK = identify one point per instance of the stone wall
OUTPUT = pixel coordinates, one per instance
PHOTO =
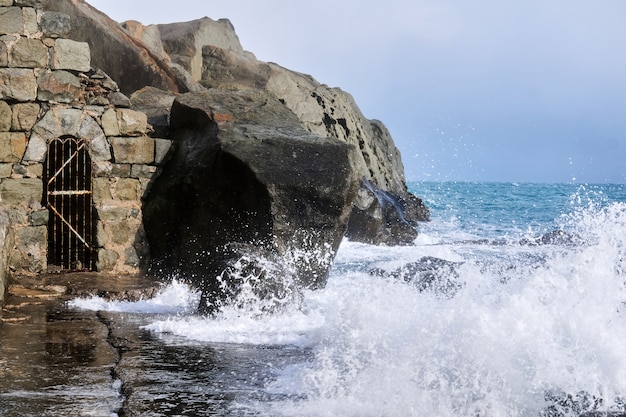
(49, 90)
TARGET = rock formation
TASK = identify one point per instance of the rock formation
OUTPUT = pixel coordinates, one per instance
(247, 179)
(321, 110)
(256, 160)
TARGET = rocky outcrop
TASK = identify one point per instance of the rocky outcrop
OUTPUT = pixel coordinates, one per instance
(323, 111)
(265, 162)
(178, 57)
(185, 41)
(247, 181)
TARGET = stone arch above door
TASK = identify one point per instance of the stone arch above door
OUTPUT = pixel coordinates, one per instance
(60, 122)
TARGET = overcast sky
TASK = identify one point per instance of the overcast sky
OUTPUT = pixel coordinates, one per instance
(482, 90)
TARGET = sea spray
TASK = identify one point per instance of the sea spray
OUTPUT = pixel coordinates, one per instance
(175, 298)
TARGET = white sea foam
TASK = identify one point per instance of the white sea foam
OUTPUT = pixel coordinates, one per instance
(495, 349)
(175, 298)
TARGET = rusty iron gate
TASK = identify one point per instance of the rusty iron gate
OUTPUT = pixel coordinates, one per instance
(69, 199)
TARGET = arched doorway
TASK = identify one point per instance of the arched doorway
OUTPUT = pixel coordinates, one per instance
(68, 197)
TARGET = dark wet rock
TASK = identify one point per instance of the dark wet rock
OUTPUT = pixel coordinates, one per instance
(428, 274)
(244, 171)
(250, 276)
(581, 404)
(383, 217)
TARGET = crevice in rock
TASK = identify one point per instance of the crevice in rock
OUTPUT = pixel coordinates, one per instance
(119, 346)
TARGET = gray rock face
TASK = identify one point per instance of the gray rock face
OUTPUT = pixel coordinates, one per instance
(245, 173)
(323, 111)
(184, 41)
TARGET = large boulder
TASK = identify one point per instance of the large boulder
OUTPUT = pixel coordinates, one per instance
(323, 111)
(246, 180)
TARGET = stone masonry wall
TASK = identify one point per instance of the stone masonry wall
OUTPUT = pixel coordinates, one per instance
(49, 90)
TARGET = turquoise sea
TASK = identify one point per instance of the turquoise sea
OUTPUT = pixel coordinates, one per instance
(511, 302)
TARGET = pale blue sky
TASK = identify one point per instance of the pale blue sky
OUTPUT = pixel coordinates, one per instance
(491, 90)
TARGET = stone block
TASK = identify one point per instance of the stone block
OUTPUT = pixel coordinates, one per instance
(109, 123)
(5, 3)
(24, 116)
(119, 99)
(107, 259)
(30, 21)
(127, 189)
(161, 150)
(4, 54)
(99, 146)
(121, 170)
(12, 146)
(32, 243)
(60, 86)
(101, 189)
(28, 53)
(72, 55)
(119, 232)
(135, 150)
(55, 24)
(132, 122)
(11, 20)
(110, 213)
(18, 84)
(142, 171)
(36, 149)
(28, 170)
(6, 243)
(101, 169)
(20, 191)
(39, 217)
(94, 111)
(28, 3)
(6, 170)
(131, 257)
(6, 114)
(102, 239)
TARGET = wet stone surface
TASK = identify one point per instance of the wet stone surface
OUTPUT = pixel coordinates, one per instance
(58, 361)
(55, 361)
(168, 376)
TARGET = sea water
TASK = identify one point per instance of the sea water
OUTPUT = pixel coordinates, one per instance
(535, 327)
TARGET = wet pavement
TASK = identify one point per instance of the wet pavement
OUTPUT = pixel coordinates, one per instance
(59, 361)
(55, 361)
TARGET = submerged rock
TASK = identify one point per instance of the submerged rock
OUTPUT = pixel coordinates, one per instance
(555, 237)
(244, 171)
(427, 274)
